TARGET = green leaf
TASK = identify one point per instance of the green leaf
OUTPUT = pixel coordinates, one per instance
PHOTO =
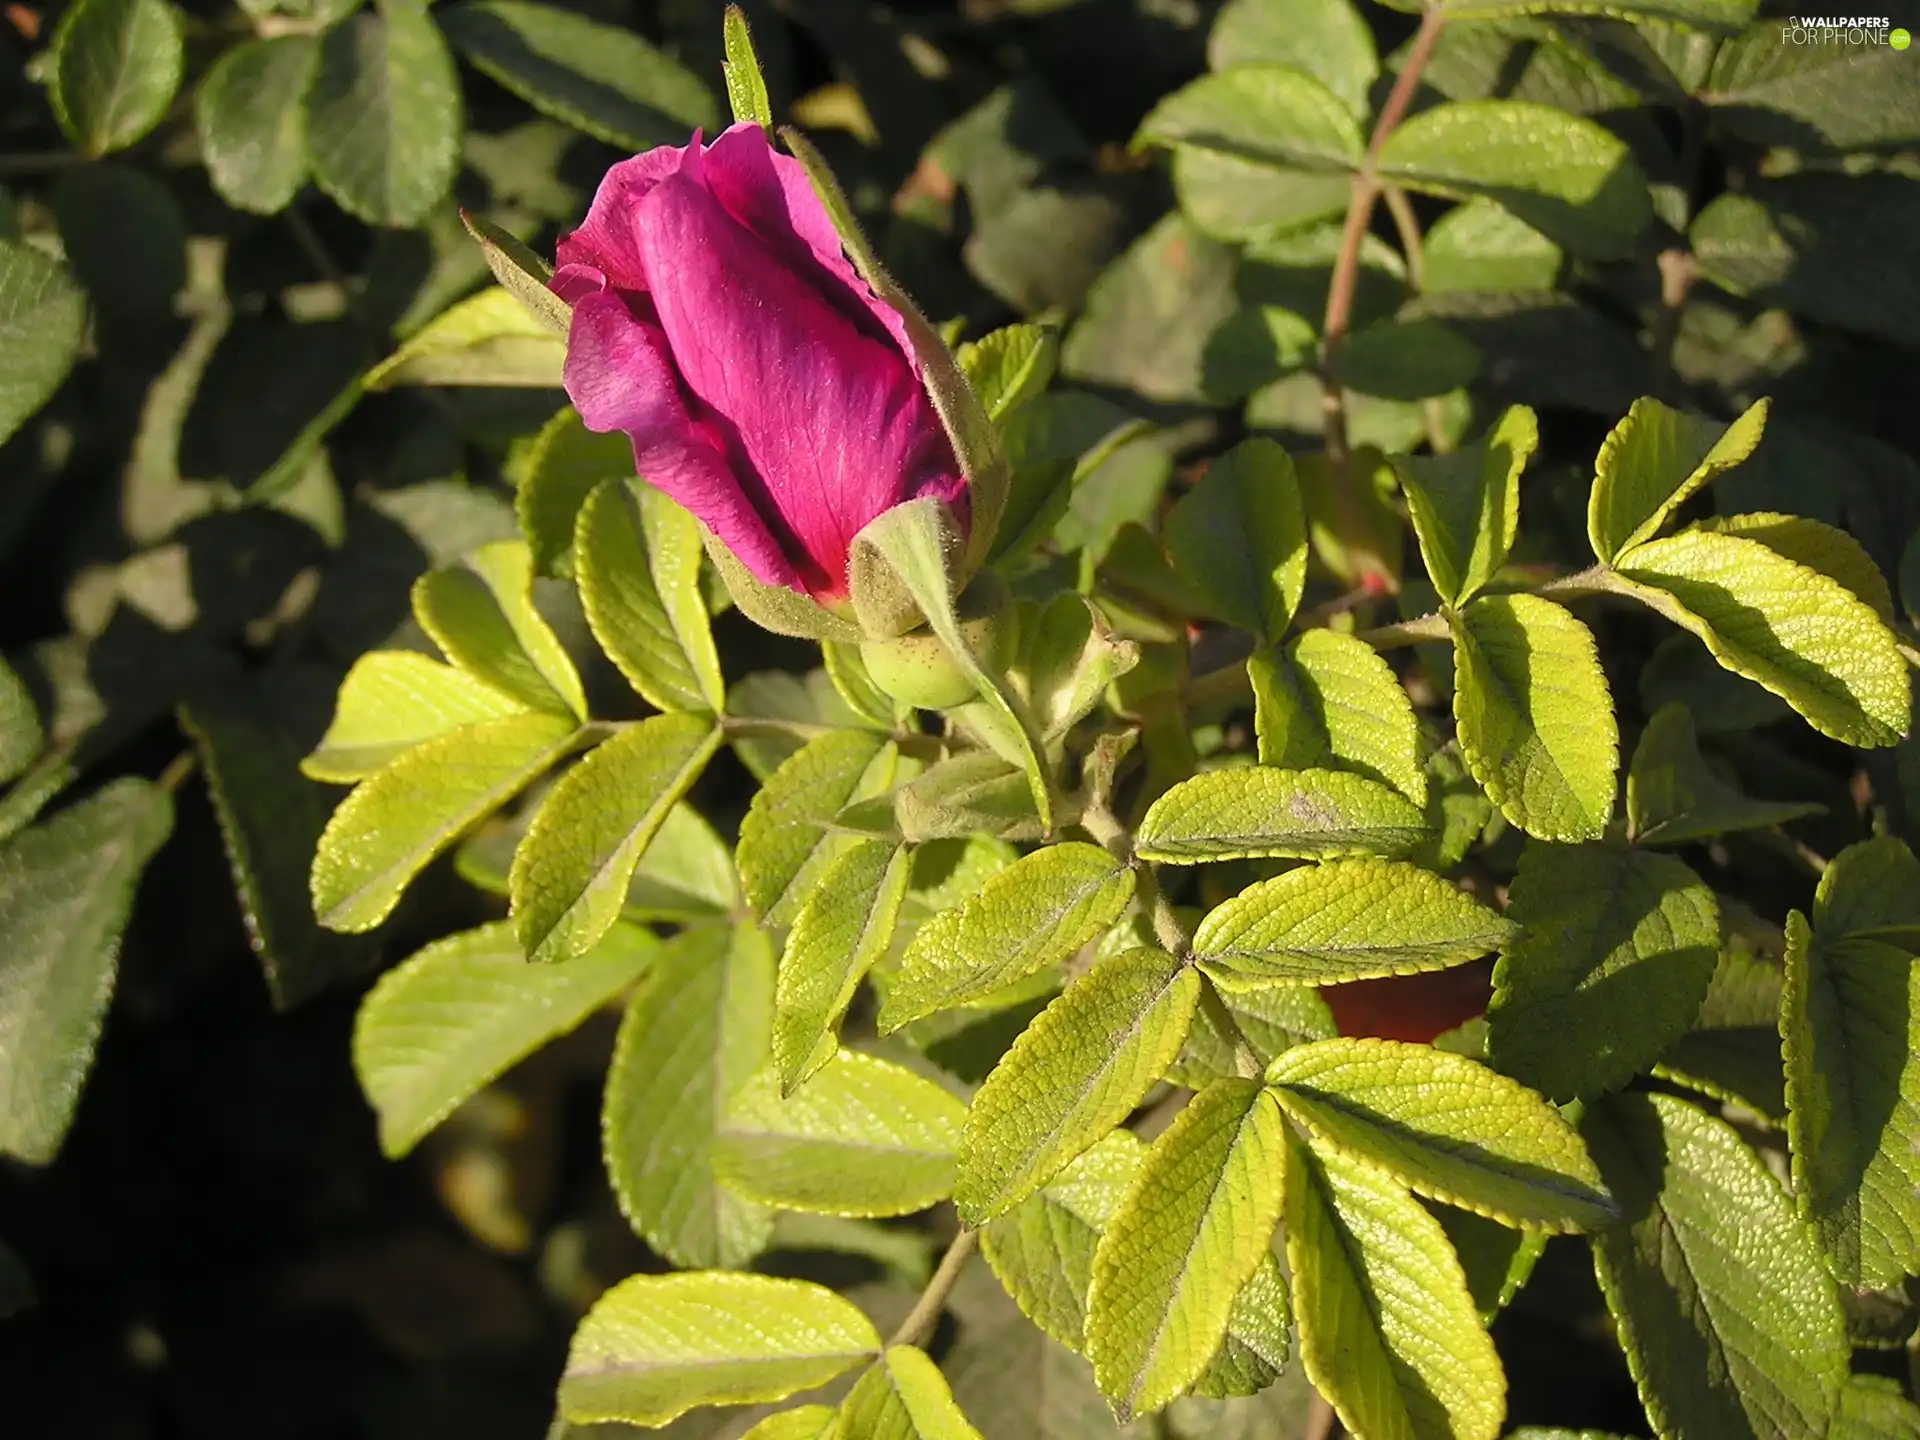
(1728, 1318)
(686, 874)
(393, 701)
(1802, 635)
(1498, 1261)
(655, 1346)
(21, 735)
(1387, 1327)
(1568, 178)
(564, 465)
(1269, 114)
(847, 672)
(601, 79)
(1040, 910)
(974, 793)
(1535, 719)
(785, 846)
(1872, 1407)
(1733, 1051)
(1872, 890)
(903, 1397)
(66, 889)
(1151, 315)
(571, 872)
(1674, 797)
(460, 1013)
(384, 115)
(1072, 1076)
(115, 65)
(846, 925)
(1811, 97)
(1327, 39)
(1330, 701)
(42, 314)
(1852, 1033)
(1069, 658)
(270, 820)
(523, 274)
(125, 238)
(487, 339)
(1466, 505)
(1010, 367)
(1194, 1227)
(1240, 538)
(1042, 1249)
(1260, 811)
(251, 115)
(694, 1034)
(637, 558)
(1344, 920)
(1617, 947)
(1447, 1127)
(481, 614)
(1408, 358)
(1271, 1019)
(746, 89)
(1479, 247)
(1816, 244)
(1652, 463)
(862, 1137)
(1709, 15)
(391, 826)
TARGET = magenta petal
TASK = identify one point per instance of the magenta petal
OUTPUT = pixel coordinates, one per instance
(605, 240)
(619, 377)
(770, 194)
(832, 419)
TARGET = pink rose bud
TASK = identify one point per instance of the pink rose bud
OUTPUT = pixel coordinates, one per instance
(718, 322)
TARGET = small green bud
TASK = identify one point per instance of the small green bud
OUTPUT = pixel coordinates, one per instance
(917, 669)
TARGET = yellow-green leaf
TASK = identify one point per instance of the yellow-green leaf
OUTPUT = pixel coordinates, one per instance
(480, 613)
(637, 557)
(694, 1034)
(862, 1137)
(1260, 811)
(903, 1397)
(456, 1015)
(1387, 1326)
(1195, 1225)
(1344, 920)
(392, 825)
(1652, 463)
(1466, 505)
(1074, 1074)
(655, 1346)
(563, 466)
(1535, 718)
(1446, 1126)
(393, 700)
(846, 925)
(1330, 701)
(784, 844)
(1799, 633)
(1675, 797)
(1039, 910)
(571, 871)
(488, 339)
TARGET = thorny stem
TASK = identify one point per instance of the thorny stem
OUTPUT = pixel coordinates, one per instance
(925, 1314)
(1366, 190)
(1407, 632)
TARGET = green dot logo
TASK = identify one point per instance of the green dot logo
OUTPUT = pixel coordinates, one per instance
(1899, 39)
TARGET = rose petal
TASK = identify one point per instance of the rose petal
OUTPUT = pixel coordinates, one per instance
(619, 377)
(771, 195)
(832, 419)
(605, 240)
